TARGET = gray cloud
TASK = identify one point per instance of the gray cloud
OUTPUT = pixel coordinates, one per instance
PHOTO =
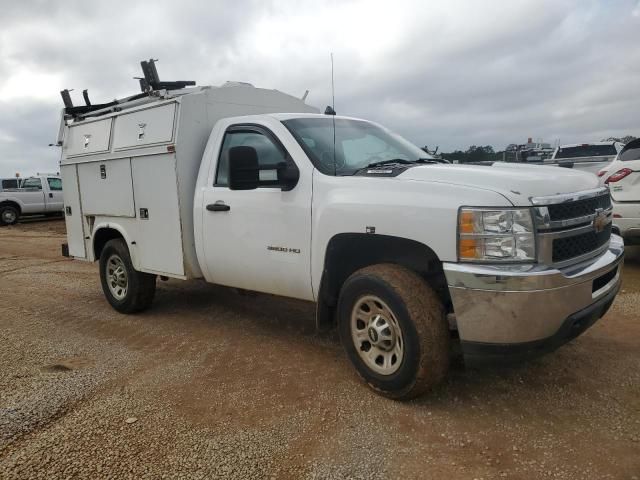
(452, 73)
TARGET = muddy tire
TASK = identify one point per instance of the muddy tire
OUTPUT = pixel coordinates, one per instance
(8, 215)
(127, 290)
(393, 328)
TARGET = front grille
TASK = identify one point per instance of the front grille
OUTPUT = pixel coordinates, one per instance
(570, 247)
(579, 208)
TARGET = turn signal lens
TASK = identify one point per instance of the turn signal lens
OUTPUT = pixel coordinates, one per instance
(619, 175)
(468, 248)
(467, 220)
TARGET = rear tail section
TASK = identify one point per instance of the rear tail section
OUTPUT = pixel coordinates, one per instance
(624, 178)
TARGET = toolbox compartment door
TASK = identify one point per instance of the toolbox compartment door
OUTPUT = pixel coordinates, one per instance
(88, 138)
(106, 188)
(159, 231)
(73, 211)
(145, 127)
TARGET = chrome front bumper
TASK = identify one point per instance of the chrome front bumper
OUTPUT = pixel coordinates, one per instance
(528, 304)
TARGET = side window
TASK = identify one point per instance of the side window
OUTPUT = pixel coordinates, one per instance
(268, 154)
(55, 184)
(32, 183)
(9, 183)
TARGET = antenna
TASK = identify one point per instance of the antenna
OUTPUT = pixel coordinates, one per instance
(333, 90)
(333, 116)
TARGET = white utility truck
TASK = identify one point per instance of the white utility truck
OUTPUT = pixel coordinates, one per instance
(402, 253)
(37, 195)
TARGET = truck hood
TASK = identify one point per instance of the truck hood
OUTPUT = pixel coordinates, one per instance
(517, 182)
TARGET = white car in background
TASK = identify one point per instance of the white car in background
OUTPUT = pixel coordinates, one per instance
(623, 178)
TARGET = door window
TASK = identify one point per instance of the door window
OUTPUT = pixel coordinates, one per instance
(55, 184)
(269, 153)
(32, 183)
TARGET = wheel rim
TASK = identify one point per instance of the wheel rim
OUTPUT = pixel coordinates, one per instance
(117, 278)
(376, 335)
(8, 216)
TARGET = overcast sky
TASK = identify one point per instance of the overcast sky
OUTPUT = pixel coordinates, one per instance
(447, 73)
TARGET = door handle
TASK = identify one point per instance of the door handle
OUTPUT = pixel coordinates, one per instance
(50, 195)
(218, 207)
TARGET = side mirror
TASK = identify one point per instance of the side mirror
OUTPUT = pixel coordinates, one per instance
(288, 176)
(244, 172)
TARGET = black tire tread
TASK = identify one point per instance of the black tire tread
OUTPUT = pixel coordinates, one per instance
(428, 315)
(11, 207)
(142, 286)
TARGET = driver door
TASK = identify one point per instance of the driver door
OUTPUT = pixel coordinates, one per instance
(258, 239)
(54, 199)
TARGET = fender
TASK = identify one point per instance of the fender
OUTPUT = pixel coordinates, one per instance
(5, 198)
(131, 245)
(349, 252)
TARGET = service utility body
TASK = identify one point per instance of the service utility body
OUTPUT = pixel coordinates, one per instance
(254, 189)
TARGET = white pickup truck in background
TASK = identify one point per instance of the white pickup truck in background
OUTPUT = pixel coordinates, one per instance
(587, 157)
(404, 255)
(37, 195)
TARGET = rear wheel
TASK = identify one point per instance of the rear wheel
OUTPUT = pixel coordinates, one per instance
(8, 215)
(126, 289)
(393, 328)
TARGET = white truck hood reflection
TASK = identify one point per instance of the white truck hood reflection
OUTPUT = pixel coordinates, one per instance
(517, 182)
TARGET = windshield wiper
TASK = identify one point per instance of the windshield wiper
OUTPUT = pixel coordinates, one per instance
(392, 161)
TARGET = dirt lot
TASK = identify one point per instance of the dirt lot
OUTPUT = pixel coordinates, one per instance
(211, 384)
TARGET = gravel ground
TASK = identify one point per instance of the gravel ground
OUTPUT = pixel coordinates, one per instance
(212, 384)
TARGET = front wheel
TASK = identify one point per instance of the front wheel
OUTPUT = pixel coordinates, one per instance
(126, 289)
(393, 328)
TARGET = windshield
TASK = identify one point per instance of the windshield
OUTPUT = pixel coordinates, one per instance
(358, 144)
(587, 151)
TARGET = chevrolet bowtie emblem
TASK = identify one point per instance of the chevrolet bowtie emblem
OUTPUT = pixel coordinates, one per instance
(601, 220)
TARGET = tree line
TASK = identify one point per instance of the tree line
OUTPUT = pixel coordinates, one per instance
(475, 153)
(486, 153)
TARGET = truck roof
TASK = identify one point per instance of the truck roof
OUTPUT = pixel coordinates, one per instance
(289, 116)
(139, 100)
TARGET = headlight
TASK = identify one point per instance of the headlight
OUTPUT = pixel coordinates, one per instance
(488, 235)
